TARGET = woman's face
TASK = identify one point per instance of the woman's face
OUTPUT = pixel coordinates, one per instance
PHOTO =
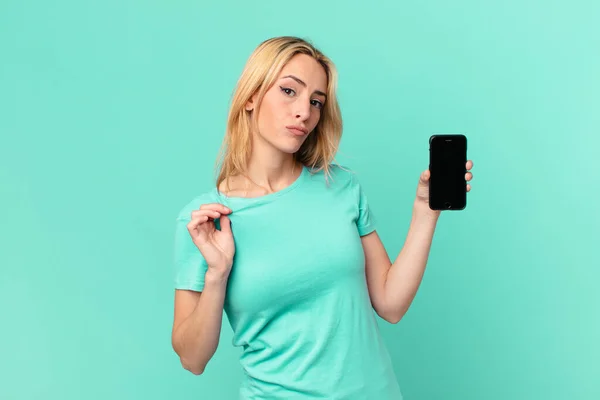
(292, 107)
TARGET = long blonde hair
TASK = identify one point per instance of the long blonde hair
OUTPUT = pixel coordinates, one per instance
(259, 74)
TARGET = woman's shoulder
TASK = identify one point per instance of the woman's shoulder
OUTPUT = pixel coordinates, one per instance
(206, 197)
(336, 174)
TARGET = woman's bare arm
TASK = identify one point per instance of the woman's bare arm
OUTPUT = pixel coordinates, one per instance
(197, 323)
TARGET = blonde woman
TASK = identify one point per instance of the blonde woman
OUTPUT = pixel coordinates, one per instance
(286, 245)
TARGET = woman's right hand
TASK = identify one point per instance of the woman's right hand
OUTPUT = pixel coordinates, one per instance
(217, 247)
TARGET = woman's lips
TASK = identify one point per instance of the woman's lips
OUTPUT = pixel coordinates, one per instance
(296, 131)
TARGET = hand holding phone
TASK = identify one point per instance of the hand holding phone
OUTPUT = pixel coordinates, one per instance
(447, 166)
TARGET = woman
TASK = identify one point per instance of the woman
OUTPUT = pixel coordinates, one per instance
(306, 271)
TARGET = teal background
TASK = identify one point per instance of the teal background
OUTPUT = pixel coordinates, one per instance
(111, 116)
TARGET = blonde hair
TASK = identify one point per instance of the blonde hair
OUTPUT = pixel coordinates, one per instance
(260, 72)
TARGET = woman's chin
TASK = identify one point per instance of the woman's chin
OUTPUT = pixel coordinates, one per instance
(289, 150)
(290, 146)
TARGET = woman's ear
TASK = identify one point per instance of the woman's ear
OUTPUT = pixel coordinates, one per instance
(250, 103)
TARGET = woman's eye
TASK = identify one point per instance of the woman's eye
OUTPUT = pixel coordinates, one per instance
(317, 104)
(291, 92)
(287, 91)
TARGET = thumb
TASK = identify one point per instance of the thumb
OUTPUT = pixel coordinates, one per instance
(424, 178)
(225, 224)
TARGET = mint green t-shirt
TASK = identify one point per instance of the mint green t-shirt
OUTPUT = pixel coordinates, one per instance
(297, 297)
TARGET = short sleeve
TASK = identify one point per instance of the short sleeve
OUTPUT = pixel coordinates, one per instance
(190, 265)
(366, 220)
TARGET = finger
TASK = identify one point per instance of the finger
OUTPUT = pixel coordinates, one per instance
(468, 188)
(225, 224)
(216, 207)
(194, 223)
(210, 213)
(199, 218)
(469, 164)
(425, 175)
(468, 176)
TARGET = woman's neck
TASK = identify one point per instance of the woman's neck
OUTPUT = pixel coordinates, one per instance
(272, 174)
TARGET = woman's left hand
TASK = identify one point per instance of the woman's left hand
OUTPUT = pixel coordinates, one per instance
(423, 187)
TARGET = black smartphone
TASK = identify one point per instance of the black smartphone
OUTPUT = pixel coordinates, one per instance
(448, 167)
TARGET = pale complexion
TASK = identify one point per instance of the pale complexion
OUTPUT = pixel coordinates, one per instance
(295, 100)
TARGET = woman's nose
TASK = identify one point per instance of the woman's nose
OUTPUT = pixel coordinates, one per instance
(303, 110)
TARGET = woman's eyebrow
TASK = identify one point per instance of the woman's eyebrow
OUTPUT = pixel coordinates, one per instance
(300, 81)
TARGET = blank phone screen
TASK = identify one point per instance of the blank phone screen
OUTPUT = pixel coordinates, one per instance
(447, 164)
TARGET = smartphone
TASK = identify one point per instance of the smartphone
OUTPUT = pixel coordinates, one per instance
(448, 167)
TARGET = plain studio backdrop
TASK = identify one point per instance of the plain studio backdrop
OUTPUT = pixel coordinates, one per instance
(111, 116)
